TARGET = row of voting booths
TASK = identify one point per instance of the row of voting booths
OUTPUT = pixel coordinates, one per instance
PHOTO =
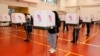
(73, 18)
(4, 19)
(45, 19)
(41, 19)
(14, 18)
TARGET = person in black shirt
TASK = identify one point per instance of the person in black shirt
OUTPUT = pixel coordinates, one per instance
(65, 26)
(28, 28)
(76, 31)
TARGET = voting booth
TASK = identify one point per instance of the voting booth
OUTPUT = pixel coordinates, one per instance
(43, 19)
(4, 18)
(86, 18)
(18, 18)
(95, 18)
(72, 18)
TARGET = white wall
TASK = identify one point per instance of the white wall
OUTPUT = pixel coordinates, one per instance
(71, 2)
(32, 6)
(3, 8)
(89, 2)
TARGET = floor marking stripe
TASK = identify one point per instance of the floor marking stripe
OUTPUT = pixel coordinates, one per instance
(70, 40)
(68, 54)
(44, 44)
(90, 37)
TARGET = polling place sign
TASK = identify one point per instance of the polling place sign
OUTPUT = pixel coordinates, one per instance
(18, 18)
(72, 18)
(44, 18)
(4, 18)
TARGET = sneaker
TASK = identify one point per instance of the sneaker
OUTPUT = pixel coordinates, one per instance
(52, 50)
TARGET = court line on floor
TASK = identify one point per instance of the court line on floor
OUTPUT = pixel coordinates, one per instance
(47, 45)
(44, 44)
(68, 54)
(71, 53)
(90, 37)
(70, 40)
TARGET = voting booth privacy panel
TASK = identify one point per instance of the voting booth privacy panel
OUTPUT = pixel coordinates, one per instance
(72, 18)
(4, 18)
(86, 18)
(18, 18)
(95, 18)
(44, 18)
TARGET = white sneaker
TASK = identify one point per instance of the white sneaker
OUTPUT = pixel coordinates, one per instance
(52, 50)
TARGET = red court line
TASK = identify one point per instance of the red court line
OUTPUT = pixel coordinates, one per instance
(45, 45)
(70, 40)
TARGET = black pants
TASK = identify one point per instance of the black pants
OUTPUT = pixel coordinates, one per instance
(88, 29)
(28, 35)
(75, 34)
(65, 25)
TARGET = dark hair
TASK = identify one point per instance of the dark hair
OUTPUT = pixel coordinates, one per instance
(56, 14)
(26, 14)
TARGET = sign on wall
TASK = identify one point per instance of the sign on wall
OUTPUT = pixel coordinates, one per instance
(18, 18)
(4, 17)
(44, 18)
(72, 18)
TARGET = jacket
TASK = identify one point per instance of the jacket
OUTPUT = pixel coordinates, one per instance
(55, 29)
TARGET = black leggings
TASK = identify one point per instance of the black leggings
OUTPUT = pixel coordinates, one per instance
(75, 34)
(88, 28)
(28, 35)
(65, 25)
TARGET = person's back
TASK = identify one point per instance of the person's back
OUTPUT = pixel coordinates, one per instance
(28, 25)
(28, 28)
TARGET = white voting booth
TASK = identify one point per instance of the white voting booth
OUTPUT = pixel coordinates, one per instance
(86, 18)
(44, 18)
(18, 18)
(4, 18)
(72, 18)
(95, 18)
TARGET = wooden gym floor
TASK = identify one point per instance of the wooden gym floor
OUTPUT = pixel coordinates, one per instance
(12, 43)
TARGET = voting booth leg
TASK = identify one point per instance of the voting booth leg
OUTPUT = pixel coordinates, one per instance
(94, 26)
(16, 27)
(2, 28)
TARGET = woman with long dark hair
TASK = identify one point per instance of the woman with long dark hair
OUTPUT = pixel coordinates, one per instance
(52, 33)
